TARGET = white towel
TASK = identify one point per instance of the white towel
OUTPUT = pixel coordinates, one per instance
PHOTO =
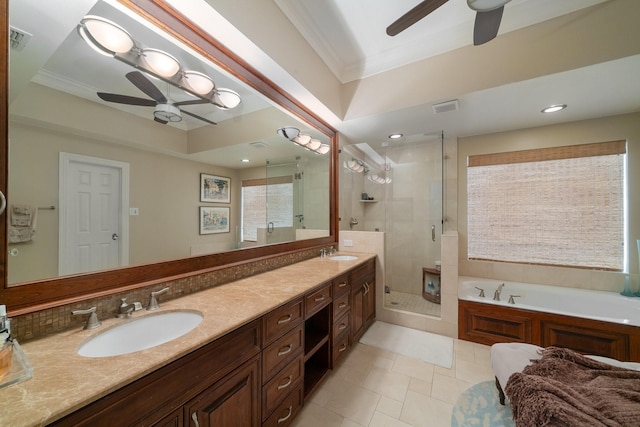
(22, 223)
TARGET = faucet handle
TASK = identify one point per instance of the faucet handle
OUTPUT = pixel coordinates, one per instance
(511, 298)
(153, 301)
(92, 321)
(481, 292)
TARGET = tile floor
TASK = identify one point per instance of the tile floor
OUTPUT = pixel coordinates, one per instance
(376, 388)
(410, 302)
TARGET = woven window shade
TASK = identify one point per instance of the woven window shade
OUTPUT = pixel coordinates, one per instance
(561, 206)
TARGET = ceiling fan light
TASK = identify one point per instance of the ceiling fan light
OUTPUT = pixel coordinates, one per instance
(198, 82)
(168, 113)
(289, 132)
(104, 36)
(226, 99)
(302, 139)
(161, 62)
(486, 5)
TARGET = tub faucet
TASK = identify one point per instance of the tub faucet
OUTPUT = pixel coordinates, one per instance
(496, 294)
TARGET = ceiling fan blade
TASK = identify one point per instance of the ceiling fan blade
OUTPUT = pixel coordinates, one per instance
(486, 26)
(125, 99)
(164, 122)
(414, 15)
(191, 102)
(145, 85)
(198, 117)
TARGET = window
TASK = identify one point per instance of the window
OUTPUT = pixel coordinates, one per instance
(266, 200)
(554, 206)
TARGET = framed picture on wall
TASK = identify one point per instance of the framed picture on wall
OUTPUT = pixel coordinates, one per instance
(214, 219)
(215, 189)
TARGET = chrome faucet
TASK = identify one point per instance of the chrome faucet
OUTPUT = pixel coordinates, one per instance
(92, 321)
(496, 294)
(125, 309)
(353, 221)
(153, 301)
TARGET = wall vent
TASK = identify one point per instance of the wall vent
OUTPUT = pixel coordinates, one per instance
(18, 39)
(445, 107)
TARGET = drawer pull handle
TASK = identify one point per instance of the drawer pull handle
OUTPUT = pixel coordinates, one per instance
(318, 299)
(342, 305)
(342, 285)
(286, 351)
(342, 326)
(285, 319)
(342, 348)
(366, 288)
(194, 417)
(287, 384)
(285, 418)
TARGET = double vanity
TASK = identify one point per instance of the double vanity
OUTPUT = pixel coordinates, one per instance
(245, 353)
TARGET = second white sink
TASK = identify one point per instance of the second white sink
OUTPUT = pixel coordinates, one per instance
(343, 257)
(141, 333)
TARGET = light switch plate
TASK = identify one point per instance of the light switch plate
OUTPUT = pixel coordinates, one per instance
(133, 211)
(348, 243)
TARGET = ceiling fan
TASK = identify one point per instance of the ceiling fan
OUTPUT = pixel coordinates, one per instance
(165, 111)
(487, 23)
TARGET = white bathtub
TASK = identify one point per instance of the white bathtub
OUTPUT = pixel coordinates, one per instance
(597, 305)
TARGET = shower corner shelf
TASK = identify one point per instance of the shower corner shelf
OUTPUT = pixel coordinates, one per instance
(368, 201)
(426, 295)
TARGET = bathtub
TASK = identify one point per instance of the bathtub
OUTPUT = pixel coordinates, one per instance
(596, 305)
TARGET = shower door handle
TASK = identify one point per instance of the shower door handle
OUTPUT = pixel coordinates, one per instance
(3, 203)
(433, 233)
(270, 227)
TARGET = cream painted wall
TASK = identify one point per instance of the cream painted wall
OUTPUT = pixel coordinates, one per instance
(623, 127)
(166, 227)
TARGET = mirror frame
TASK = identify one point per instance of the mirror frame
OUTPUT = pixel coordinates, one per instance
(48, 293)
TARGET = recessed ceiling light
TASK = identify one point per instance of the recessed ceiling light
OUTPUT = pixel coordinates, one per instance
(395, 136)
(554, 108)
(245, 160)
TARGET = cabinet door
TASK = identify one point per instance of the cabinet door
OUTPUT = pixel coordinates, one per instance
(357, 311)
(369, 303)
(233, 401)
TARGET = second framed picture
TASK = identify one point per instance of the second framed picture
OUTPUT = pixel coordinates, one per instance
(214, 220)
(215, 189)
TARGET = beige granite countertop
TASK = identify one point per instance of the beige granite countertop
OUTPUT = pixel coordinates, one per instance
(63, 381)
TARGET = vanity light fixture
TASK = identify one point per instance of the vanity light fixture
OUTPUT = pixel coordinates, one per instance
(554, 108)
(356, 165)
(294, 135)
(110, 39)
(395, 136)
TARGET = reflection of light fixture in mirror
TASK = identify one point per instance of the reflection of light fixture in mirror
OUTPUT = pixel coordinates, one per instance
(302, 139)
(167, 113)
(226, 99)
(554, 108)
(104, 36)
(161, 62)
(356, 165)
(198, 82)
(395, 136)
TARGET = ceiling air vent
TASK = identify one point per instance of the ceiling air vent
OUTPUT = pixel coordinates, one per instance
(445, 107)
(18, 39)
(258, 144)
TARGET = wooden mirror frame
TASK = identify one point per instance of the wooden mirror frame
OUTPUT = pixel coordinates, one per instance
(48, 293)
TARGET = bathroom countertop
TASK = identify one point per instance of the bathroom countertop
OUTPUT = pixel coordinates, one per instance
(63, 381)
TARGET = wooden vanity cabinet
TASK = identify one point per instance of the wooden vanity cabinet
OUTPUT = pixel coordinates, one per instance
(317, 329)
(363, 298)
(213, 379)
(341, 329)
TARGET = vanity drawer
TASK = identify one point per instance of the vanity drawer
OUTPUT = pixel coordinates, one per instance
(341, 306)
(281, 320)
(281, 386)
(315, 301)
(340, 348)
(287, 411)
(280, 353)
(341, 284)
(341, 326)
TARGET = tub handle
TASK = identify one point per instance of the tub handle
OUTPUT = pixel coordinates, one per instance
(511, 298)
(481, 292)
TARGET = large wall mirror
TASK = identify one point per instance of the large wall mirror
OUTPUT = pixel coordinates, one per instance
(122, 169)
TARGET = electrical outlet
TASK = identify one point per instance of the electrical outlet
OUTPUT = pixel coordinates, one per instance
(133, 211)
(348, 243)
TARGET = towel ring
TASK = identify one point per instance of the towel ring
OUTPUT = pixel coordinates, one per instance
(3, 202)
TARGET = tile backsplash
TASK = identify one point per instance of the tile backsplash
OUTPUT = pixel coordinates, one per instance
(50, 321)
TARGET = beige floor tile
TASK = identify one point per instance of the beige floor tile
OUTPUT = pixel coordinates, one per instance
(463, 350)
(389, 407)
(420, 386)
(413, 368)
(313, 415)
(353, 402)
(383, 420)
(387, 383)
(420, 411)
(447, 389)
(473, 372)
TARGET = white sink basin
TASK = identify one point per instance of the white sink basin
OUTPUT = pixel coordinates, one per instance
(141, 333)
(343, 257)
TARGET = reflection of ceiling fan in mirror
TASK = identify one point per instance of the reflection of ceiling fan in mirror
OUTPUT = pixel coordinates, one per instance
(165, 110)
(487, 23)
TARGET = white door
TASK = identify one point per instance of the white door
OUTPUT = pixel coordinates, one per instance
(94, 204)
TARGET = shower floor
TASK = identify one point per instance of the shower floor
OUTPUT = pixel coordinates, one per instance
(411, 302)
